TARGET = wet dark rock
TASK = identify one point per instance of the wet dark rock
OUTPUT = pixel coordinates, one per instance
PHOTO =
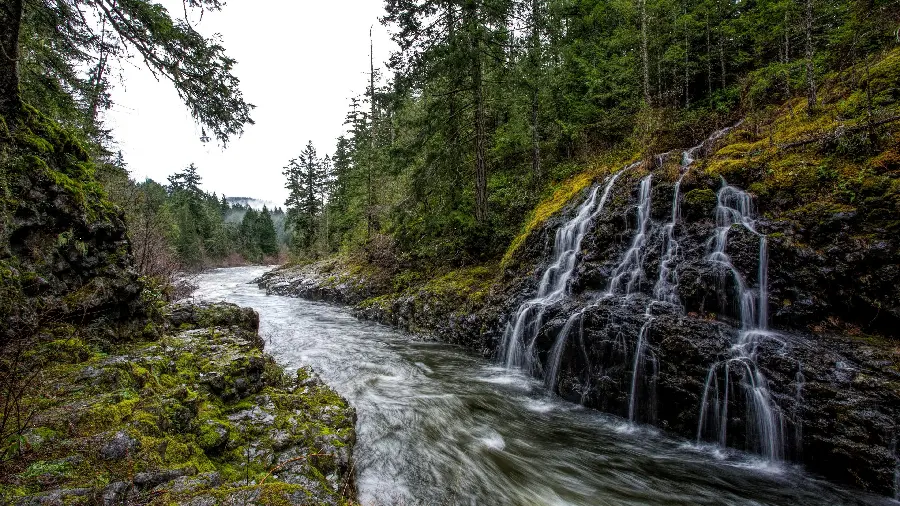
(119, 447)
(205, 315)
(152, 479)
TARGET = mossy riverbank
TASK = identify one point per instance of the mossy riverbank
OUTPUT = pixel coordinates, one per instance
(200, 415)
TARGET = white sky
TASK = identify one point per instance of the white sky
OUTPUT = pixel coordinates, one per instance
(299, 62)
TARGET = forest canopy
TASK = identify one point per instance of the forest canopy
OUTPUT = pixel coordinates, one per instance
(489, 103)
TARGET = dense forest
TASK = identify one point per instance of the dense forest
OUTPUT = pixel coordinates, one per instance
(490, 103)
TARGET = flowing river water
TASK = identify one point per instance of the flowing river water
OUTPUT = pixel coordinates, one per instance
(439, 426)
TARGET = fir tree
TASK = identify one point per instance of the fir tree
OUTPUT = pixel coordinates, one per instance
(266, 236)
(305, 184)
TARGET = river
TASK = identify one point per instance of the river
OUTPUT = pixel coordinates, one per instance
(439, 426)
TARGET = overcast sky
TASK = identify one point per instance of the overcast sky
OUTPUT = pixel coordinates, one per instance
(299, 62)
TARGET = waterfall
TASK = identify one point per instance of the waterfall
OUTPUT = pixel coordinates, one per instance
(800, 380)
(518, 338)
(896, 470)
(551, 372)
(665, 289)
(626, 280)
(764, 421)
(636, 367)
(666, 285)
(632, 263)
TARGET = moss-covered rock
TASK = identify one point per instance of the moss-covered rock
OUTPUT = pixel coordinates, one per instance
(202, 413)
(64, 253)
(699, 203)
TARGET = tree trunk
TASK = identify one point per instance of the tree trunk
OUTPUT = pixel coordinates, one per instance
(535, 104)
(810, 76)
(687, 64)
(11, 22)
(97, 78)
(786, 54)
(535, 137)
(481, 204)
(370, 190)
(722, 58)
(708, 58)
(721, 34)
(644, 56)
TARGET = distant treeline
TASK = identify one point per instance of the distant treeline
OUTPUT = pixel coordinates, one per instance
(180, 226)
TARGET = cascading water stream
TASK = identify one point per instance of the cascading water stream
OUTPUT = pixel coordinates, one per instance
(734, 207)
(518, 339)
(555, 357)
(632, 263)
(666, 286)
(625, 282)
(636, 367)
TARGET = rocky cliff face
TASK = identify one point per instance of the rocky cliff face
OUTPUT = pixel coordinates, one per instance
(835, 394)
(64, 253)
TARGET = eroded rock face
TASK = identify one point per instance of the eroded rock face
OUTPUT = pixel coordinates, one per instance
(837, 396)
(64, 252)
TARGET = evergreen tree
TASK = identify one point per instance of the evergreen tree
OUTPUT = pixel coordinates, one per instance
(248, 235)
(60, 38)
(266, 236)
(305, 184)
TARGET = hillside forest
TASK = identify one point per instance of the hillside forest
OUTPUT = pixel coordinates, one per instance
(490, 105)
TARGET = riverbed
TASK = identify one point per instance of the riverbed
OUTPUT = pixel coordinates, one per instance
(438, 425)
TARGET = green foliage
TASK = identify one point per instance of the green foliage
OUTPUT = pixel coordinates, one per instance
(70, 45)
(182, 226)
(548, 87)
(307, 185)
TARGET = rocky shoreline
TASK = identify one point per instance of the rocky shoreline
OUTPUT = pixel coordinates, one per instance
(200, 415)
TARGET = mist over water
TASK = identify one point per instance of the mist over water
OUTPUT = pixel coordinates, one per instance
(437, 425)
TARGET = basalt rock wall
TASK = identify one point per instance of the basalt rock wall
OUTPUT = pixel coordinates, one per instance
(831, 371)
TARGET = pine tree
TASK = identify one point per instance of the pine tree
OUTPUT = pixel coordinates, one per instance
(265, 234)
(248, 236)
(79, 33)
(305, 184)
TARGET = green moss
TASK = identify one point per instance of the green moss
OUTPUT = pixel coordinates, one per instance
(39, 468)
(158, 393)
(699, 203)
(562, 194)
